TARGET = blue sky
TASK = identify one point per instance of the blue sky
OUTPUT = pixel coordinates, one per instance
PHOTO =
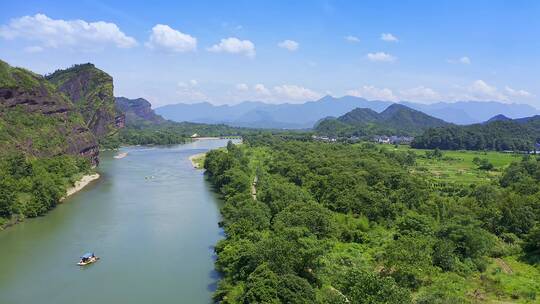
(286, 51)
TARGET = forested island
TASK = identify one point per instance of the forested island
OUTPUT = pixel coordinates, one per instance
(313, 222)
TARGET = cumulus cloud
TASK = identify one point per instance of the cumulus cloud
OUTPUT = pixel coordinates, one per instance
(352, 39)
(480, 90)
(165, 38)
(46, 32)
(261, 90)
(372, 92)
(234, 45)
(517, 93)
(419, 93)
(294, 92)
(380, 57)
(290, 45)
(189, 91)
(388, 37)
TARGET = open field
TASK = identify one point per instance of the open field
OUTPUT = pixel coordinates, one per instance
(458, 166)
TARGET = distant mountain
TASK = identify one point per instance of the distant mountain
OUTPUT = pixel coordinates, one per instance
(498, 133)
(469, 112)
(397, 119)
(499, 117)
(137, 111)
(299, 116)
(263, 115)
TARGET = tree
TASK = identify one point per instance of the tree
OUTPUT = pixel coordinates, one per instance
(532, 243)
(293, 289)
(367, 288)
(261, 286)
(7, 195)
(316, 218)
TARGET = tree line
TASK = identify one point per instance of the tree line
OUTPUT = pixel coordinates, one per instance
(30, 187)
(497, 135)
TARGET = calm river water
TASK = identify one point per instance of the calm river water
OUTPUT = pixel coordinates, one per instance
(151, 218)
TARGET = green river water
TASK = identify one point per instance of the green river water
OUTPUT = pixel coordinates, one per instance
(152, 219)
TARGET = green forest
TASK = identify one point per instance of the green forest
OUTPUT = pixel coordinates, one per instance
(313, 222)
(30, 187)
(497, 135)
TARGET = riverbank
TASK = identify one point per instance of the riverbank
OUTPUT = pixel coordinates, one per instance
(197, 160)
(80, 184)
(120, 155)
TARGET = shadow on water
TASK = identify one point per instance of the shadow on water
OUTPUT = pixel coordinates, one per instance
(214, 275)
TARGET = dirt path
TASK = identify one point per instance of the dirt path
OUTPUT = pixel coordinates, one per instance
(505, 267)
(253, 188)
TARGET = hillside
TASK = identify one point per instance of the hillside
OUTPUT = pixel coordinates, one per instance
(37, 119)
(498, 133)
(395, 120)
(137, 111)
(91, 90)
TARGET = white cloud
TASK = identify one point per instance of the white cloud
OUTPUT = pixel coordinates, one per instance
(290, 45)
(372, 92)
(465, 60)
(294, 92)
(381, 57)
(242, 87)
(56, 33)
(388, 37)
(420, 93)
(261, 90)
(480, 90)
(234, 45)
(517, 93)
(462, 60)
(352, 39)
(165, 38)
(189, 91)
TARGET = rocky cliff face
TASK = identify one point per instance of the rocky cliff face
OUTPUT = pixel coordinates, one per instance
(91, 90)
(138, 111)
(37, 119)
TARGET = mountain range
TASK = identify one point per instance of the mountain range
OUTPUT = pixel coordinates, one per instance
(396, 119)
(299, 116)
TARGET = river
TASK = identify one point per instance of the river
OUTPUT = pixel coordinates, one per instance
(152, 219)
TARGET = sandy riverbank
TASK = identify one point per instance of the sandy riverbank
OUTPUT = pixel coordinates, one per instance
(120, 155)
(197, 160)
(80, 184)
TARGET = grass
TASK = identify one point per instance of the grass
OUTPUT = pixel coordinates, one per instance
(198, 160)
(458, 166)
(507, 280)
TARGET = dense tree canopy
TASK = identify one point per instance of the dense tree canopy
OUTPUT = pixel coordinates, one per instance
(312, 222)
